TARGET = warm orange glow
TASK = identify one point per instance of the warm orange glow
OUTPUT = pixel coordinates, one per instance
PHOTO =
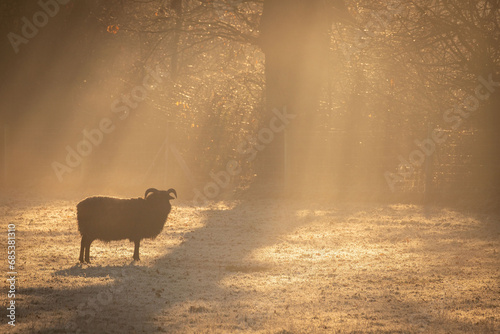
(336, 163)
(113, 29)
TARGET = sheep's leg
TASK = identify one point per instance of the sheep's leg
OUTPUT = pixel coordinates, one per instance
(82, 248)
(136, 249)
(87, 250)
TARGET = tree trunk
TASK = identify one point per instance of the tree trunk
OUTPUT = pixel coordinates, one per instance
(294, 40)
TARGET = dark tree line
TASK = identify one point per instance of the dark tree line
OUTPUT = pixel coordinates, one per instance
(364, 79)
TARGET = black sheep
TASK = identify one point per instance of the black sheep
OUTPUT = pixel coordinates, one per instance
(108, 218)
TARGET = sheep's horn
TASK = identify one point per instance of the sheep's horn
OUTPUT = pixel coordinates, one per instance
(150, 190)
(171, 190)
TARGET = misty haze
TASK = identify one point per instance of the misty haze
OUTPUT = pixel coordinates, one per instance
(240, 166)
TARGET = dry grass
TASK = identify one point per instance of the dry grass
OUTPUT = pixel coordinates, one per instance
(262, 267)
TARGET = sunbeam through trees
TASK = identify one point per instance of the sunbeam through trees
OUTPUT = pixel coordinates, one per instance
(337, 164)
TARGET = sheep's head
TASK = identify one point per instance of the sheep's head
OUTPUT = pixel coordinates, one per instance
(160, 195)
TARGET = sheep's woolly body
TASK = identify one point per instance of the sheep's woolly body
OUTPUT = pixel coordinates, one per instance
(109, 218)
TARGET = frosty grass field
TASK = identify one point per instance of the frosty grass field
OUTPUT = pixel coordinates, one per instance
(261, 266)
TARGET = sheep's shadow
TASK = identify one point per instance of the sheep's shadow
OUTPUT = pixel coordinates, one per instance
(84, 270)
(187, 272)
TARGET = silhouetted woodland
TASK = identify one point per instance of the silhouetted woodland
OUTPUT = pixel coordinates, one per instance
(391, 99)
